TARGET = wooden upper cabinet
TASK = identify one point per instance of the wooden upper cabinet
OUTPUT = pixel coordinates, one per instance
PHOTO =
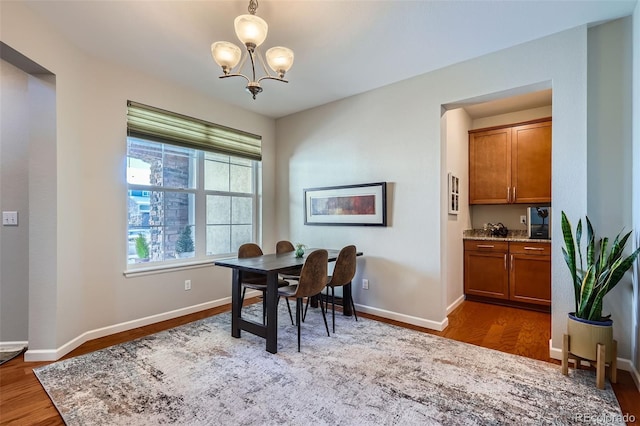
(489, 166)
(510, 164)
(531, 163)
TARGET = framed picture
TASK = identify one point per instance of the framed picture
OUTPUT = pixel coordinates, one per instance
(454, 194)
(355, 205)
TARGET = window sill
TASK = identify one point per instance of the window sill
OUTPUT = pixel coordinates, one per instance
(161, 269)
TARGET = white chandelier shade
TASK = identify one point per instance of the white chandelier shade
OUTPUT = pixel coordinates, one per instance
(280, 59)
(226, 54)
(251, 29)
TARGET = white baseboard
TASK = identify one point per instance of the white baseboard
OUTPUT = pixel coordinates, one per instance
(33, 355)
(623, 364)
(9, 345)
(455, 304)
(433, 325)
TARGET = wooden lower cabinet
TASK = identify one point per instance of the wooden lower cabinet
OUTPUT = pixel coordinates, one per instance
(530, 273)
(485, 269)
(508, 272)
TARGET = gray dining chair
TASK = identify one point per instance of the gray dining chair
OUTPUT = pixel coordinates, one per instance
(313, 279)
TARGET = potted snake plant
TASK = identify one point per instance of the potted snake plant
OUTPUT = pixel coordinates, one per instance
(593, 274)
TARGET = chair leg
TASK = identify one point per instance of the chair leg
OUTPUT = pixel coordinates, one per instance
(324, 317)
(304, 315)
(298, 319)
(264, 308)
(289, 308)
(353, 306)
(333, 307)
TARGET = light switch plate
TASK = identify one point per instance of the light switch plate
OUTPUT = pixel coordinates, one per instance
(10, 218)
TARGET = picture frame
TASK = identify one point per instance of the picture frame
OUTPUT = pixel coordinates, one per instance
(453, 198)
(351, 205)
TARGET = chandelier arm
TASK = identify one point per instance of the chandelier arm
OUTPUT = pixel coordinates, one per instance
(236, 75)
(241, 64)
(264, 66)
(253, 65)
(270, 77)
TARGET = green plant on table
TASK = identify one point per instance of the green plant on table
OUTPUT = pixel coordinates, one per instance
(300, 250)
(605, 267)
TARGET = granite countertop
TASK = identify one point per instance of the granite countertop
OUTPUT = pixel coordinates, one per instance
(515, 236)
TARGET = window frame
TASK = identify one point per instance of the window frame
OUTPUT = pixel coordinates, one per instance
(200, 258)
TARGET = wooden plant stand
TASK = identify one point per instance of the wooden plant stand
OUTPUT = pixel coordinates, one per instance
(599, 362)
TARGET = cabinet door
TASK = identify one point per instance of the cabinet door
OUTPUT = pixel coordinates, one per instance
(490, 166)
(485, 274)
(530, 278)
(531, 163)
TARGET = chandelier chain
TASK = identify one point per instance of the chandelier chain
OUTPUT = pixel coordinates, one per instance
(253, 6)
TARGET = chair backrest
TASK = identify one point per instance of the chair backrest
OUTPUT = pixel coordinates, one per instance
(284, 247)
(251, 250)
(345, 268)
(313, 276)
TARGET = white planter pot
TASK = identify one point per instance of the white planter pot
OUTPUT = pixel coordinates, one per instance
(584, 336)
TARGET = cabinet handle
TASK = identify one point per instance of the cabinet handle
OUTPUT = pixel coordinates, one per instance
(534, 248)
(505, 262)
(508, 194)
(511, 263)
(485, 246)
(514, 194)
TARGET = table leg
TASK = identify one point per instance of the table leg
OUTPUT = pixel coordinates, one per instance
(272, 312)
(236, 293)
(346, 300)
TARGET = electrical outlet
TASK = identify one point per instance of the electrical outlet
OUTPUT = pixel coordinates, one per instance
(10, 218)
(523, 219)
(187, 285)
(365, 284)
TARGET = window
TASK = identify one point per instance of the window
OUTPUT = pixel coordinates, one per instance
(185, 202)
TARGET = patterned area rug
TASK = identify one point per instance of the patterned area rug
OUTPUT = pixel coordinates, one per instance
(367, 373)
(9, 353)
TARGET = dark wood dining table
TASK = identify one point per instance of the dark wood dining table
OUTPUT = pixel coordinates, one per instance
(269, 265)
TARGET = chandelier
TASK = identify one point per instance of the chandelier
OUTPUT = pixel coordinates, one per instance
(252, 31)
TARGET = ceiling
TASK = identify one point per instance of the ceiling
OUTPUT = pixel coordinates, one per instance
(342, 47)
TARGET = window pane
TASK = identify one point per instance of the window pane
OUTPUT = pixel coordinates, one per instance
(240, 234)
(178, 168)
(242, 211)
(156, 164)
(141, 154)
(219, 239)
(161, 217)
(216, 175)
(240, 179)
(179, 216)
(218, 209)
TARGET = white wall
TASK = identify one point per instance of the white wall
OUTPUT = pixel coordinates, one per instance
(635, 120)
(393, 134)
(609, 155)
(456, 125)
(92, 297)
(14, 189)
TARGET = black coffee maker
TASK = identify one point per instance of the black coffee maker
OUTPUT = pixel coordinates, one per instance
(539, 222)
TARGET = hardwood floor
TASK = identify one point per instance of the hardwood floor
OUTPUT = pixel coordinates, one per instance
(526, 333)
